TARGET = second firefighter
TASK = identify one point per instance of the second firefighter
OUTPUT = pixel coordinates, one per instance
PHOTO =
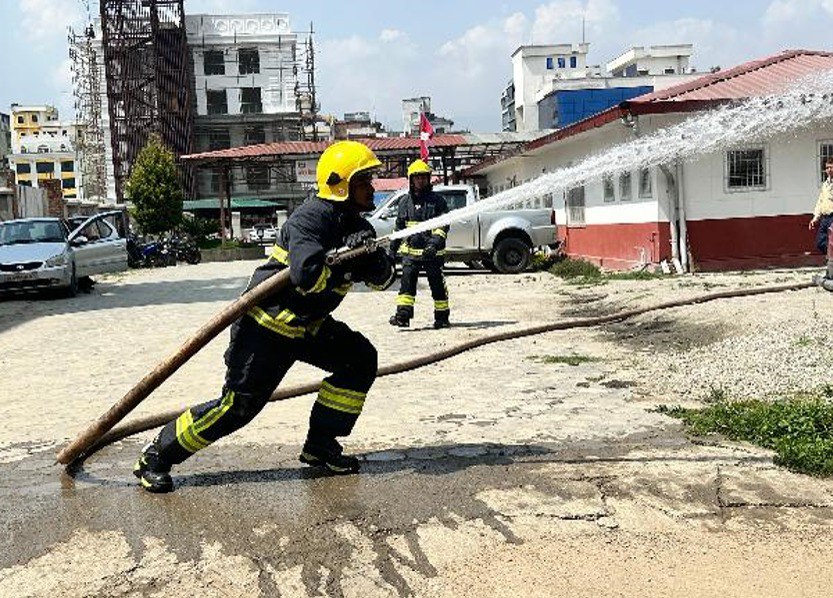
(421, 251)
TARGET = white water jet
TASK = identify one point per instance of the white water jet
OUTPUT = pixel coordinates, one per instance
(808, 102)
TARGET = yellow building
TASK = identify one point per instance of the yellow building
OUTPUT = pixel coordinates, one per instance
(43, 148)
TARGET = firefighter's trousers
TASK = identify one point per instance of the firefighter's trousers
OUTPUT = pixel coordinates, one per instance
(257, 360)
(406, 299)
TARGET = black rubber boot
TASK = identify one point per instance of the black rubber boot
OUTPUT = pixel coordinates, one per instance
(153, 473)
(441, 320)
(399, 320)
(328, 455)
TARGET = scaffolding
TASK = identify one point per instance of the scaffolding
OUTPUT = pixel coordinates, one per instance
(90, 153)
(147, 70)
(306, 101)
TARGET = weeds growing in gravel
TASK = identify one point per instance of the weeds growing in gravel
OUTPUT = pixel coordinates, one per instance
(799, 430)
(568, 359)
(582, 272)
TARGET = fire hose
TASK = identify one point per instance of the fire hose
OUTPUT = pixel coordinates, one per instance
(102, 432)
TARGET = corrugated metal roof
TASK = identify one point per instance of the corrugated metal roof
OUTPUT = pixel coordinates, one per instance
(757, 78)
(762, 77)
(311, 148)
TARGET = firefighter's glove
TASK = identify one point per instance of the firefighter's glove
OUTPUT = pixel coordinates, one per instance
(358, 238)
(429, 253)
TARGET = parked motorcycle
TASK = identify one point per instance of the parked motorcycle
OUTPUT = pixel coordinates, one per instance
(153, 254)
(185, 250)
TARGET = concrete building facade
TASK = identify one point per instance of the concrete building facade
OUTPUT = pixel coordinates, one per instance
(245, 88)
(553, 86)
(746, 206)
(42, 147)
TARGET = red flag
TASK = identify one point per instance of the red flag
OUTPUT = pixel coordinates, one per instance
(426, 132)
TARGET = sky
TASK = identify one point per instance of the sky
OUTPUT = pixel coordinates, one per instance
(371, 54)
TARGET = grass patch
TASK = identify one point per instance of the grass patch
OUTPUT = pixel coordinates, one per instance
(568, 359)
(582, 272)
(799, 430)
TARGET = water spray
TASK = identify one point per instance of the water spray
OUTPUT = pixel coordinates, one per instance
(806, 104)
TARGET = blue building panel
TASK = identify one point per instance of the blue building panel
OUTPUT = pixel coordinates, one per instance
(563, 108)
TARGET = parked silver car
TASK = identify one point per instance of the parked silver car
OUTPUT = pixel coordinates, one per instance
(42, 253)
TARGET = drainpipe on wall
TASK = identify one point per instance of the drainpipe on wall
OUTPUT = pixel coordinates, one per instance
(673, 201)
(681, 217)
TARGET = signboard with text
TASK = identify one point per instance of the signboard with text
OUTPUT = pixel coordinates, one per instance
(305, 170)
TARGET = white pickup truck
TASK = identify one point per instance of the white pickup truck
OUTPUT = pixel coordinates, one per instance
(501, 240)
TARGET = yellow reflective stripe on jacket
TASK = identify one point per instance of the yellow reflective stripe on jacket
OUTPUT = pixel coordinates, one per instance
(341, 399)
(440, 232)
(212, 415)
(406, 249)
(343, 289)
(405, 299)
(441, 305)
(279, 324)
(185, 434)
(280, 254)
(411, 223)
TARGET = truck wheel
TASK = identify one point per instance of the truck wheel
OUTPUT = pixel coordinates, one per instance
(489, 265)
(511, 255)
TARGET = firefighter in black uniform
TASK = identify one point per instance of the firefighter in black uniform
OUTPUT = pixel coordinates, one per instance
(295, 325)
(422, 251)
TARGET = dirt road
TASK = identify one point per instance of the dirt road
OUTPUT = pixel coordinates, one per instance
(501, 472)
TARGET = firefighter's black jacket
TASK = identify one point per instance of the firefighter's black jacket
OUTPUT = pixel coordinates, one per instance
(415, 209)
(313, 230)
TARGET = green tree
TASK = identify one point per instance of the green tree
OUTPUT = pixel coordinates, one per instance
(154, 188)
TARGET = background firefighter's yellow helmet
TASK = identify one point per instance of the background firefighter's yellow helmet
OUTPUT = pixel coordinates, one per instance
(338, 164)
(418, 167)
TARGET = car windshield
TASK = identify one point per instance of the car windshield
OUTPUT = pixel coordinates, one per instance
(31, 231)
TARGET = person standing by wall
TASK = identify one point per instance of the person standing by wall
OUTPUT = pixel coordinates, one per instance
(823, 212)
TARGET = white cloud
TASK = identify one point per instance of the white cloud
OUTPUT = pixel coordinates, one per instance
(561, 21)
(780, 12)
(392, 35)
(47, 20)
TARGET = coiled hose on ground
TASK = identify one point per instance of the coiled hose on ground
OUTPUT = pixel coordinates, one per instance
(155, 421)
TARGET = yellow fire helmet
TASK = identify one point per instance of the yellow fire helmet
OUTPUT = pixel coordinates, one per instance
(338, 164)
(418, 167)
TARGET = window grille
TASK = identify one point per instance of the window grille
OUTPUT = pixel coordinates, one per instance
(746, 169)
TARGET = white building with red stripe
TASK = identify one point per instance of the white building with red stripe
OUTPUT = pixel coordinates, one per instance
(744, 207)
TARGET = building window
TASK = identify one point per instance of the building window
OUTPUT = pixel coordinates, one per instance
(550, 64)
(573, 62)
(625, 187)
(20, 120)
(217, 102)
(645, 183)
(68, 183)
(609, 194)
(24, 149)
(825, 154)
(562, 62)
(254, 135)
(250, 100)
(24, 183)
(45, 167)
(214, 184)
(257, 178)
(34, 118)
(249, 61)
(68, 166)
(23, 168)
(219, 139)
(43, 149)
(214, 62)
(669, 71)
(745, 169)
(575, 207)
